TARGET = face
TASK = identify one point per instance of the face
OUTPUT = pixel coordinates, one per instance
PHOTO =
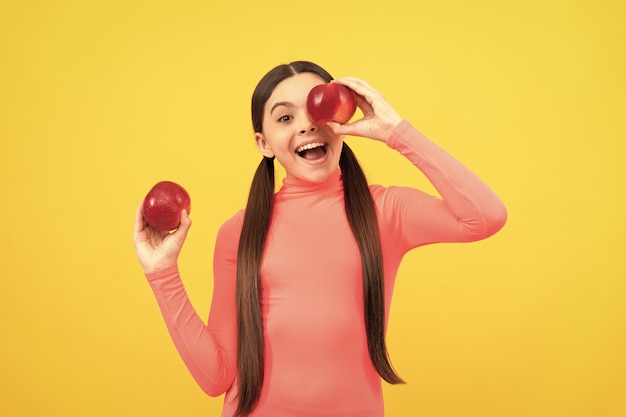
(306, 150)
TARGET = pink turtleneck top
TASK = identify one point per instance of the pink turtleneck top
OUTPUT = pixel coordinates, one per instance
(317, 362)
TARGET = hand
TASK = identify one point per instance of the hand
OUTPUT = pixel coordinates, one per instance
(158, 250)
(379, 118)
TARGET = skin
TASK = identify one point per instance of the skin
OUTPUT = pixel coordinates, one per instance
(285, 128)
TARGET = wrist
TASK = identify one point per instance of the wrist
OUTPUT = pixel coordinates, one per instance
(159, 276)
(152, 269)
(391, 127)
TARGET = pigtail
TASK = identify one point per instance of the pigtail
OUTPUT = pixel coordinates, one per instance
(361, 213)
(250, 346)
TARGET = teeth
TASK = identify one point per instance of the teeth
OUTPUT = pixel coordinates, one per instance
(309, 146)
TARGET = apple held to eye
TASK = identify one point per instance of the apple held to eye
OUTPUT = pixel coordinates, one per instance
(164, 204)
(331, 101)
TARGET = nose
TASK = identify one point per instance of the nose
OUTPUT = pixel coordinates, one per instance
(308, 126)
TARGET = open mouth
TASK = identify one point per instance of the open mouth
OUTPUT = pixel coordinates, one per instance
(312, 151)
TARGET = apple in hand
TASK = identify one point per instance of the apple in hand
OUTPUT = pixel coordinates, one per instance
(164, 204)
(331, 101)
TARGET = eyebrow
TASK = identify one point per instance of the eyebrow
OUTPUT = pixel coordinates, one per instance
(281, 103)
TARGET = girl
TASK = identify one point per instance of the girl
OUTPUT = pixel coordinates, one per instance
(303, 277)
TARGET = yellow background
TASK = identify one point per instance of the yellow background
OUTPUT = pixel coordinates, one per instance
(100, 100)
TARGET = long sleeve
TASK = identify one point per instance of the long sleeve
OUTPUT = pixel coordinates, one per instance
(468, 209)
(208, 351)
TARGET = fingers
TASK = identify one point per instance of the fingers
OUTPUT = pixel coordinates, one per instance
(354, 83)
(338, 128)
(379, 117)
(180, 234)
(365, 106)
(369, 100)
(185, 222)
(356, 128)
(361, 87)
(157, 249)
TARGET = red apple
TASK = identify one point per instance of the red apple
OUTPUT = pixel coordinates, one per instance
(164, 204)
(331, 101)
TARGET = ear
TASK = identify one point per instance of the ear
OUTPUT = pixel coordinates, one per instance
(263, 145)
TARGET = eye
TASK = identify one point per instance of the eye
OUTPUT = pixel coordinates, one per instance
(284, 118)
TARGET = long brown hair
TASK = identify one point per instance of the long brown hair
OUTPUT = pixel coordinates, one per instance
(361, 214)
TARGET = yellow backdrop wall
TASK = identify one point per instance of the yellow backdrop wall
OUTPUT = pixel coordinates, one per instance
(100, 100)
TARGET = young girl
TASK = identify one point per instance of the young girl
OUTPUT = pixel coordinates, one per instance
(303, 277)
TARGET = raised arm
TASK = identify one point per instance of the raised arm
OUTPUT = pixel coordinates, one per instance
(468, 209)
(208, 351)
